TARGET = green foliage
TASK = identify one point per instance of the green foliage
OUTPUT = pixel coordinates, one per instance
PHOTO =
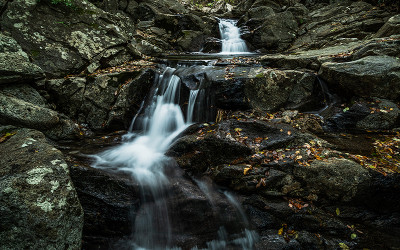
(210, 3)
(68, 3)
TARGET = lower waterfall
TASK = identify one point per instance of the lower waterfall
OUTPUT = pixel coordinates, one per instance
(142, 155)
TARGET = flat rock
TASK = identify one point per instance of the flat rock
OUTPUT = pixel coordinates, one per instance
(371, 76)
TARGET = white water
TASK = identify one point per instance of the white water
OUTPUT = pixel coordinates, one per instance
(230, 37)
(144, 158)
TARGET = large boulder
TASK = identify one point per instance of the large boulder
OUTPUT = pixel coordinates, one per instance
(371, 76)
(391, 27)
(18, 112)
(276, 32)
(379, 114)
(334, 178)
(64, 39)
(271, 89)
(103, 101)
(39, 206)
(108, 201)
(14, 63)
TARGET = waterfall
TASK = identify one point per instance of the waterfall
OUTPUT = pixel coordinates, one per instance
(143, 157)
(230, 37)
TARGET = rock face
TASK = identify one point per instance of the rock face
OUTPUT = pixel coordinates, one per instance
(22, 105)
(336, 179)
(105, 101)
(14, 63)
(276, 32)
(40, 208)
(391, 27)
(108, 202)
(376, 76)
(339, 22)
(272, 89)
(61, 39)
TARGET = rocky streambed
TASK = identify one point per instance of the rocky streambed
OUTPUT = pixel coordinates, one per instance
(295, 148)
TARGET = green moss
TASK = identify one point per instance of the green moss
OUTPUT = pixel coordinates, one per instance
(260, 75)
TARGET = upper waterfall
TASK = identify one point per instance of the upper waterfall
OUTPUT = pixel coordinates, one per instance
(230, 37)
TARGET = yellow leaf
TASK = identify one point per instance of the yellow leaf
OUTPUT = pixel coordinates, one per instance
(238, 129)
(344, 246)
(246, 170)
(337, 211)
(353, 236)
(280, 232)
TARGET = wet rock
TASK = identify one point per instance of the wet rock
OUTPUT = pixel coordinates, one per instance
(270, 90)
(334, 179)
(14, 63)
(212, 45)
(40, 208)
(198, 155)
(371, 76)
(391, 27)
(109, 202)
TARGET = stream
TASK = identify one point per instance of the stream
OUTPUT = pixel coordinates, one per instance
(142, 155)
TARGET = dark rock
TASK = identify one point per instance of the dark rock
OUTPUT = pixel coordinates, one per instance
(191, 40)
(378, 47)
(40, 208)
(385, 117)
(300, 12)
(260, 12)
(276, 33)
(25, 93)
(371, 76)
(212, 45)
(334, 179)
(198, 155)
(109, 202)
(106, 101)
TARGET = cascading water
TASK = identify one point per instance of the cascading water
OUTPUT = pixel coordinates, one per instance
(143, 156)
(230, 37)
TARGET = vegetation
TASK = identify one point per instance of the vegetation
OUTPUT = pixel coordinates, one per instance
(68, 3)
(211, 3)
